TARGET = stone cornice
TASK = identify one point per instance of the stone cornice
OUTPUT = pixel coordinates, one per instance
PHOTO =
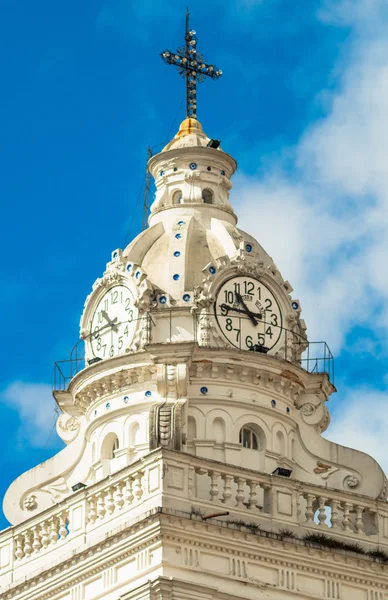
(259, 371)
(181, 529)
(113, 547)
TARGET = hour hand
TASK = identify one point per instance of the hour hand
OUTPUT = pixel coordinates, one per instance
(109, 321)
(251, 315)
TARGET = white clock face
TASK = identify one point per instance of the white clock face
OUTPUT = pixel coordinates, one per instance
(248, 313)
(113, 323)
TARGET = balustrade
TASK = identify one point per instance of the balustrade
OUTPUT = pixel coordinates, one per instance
(260, 496)
(338, 515)
(42, 535)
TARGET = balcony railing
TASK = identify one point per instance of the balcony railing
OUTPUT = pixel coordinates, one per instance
(198, 486)
(176, 325)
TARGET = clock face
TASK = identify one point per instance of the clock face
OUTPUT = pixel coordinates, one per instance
(113, 323)
(248, 313)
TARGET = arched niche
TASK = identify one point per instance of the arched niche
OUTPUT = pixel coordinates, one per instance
(177, 197)
(191, 428)
(109, 446)
(219, 430)
(207, 196)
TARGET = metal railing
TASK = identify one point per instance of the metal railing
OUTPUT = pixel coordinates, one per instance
(169, 326)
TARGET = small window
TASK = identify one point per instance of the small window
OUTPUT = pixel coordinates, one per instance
(115, 447)
(207, 196)
(177, 197)
(248, 438)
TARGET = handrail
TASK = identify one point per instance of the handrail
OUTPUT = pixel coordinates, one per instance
(314, 357)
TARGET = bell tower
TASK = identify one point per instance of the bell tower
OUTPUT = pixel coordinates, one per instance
(192, 409)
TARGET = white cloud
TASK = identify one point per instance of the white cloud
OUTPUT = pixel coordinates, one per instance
(327, 224)
(35, 405)
(365, 426)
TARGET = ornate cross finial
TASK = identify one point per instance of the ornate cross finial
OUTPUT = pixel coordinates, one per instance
(191, 65)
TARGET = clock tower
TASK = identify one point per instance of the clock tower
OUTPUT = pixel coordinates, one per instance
(192, 409)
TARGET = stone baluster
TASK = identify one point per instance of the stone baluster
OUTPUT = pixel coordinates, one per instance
(214, 491)
(36, 543)
(359, 525)
(227, 494)
(54, 530)
(19, 552)
(322, 511)
(63, 522)
(109, 502)
(309, 509)
(138, 490)
(118, 496)
(27, 544)
(240, 496)
(92, 512)
(252, 500)
(44, 531)
(334, 514)
(101, 510)
(128, 493)
(346, 521)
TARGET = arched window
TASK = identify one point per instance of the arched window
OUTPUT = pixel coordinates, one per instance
(248, 438)
(177, 197)
(109, 446)
(207, 196)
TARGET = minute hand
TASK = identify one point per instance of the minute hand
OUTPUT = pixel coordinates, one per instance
(252, 316)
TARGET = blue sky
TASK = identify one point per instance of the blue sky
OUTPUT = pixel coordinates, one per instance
(301, 106)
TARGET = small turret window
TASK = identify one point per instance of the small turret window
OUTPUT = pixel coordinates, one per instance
(248, 438)
(177, 197)
(207, 196)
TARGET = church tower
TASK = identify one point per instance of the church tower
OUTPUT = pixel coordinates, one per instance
(192, 410)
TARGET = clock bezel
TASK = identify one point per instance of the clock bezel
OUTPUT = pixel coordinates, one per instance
(104, 292)
(264, 282)
(120, 271)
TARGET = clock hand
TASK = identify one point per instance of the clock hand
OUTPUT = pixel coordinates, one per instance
(248, 312)
(238, 310)
(110, 321)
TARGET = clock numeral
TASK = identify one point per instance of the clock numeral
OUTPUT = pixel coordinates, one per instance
(229, 297)
(238, 333)
(127, 303)
(121, 342)
(112, 351)
(99, 343)
(259, 292)
(130, 316)
(268, 332)
(106, 305)
(274, 321)
(113, 297)
(249, 286)
(100, 318)
(126, 331)
(237, 288)
(261, 339)
(268, 304)
(96, 332)
(249, 341)
(229, 325)
(224, 310)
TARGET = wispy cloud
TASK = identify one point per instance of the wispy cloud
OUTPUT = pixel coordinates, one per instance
(327, 223)
(322, 211)
(35, 406)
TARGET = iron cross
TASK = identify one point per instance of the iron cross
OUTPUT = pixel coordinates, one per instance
(191, 65)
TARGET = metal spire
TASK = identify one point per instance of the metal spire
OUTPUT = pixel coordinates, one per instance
(191, 65)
